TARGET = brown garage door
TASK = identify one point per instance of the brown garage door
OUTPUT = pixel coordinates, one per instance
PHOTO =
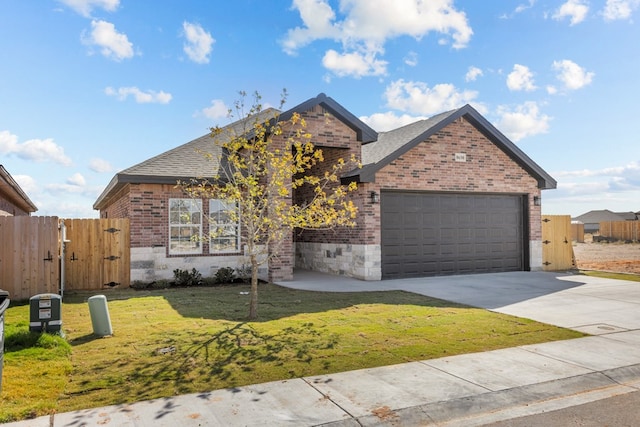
(433, 234)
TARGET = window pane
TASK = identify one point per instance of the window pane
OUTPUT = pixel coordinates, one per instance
(223, 226)
(185, 217)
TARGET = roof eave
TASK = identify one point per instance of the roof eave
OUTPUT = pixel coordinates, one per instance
(18, 196)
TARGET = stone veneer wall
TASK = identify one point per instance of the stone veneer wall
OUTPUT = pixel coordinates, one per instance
(149, 264)
(357, 261)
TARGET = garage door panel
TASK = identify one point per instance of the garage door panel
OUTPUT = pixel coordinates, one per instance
(428, 234)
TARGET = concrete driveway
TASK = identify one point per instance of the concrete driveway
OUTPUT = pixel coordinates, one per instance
(588, 304)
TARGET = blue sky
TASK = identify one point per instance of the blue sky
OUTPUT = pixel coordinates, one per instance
(91, 87)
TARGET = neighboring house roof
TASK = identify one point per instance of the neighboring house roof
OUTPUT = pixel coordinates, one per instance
(11, 191)
(597, 216)
(391, 145)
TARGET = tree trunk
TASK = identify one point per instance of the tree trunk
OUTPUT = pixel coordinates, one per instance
(253, 294)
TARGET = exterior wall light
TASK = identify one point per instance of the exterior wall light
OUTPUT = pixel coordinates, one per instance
(375, 197)
(537, 201)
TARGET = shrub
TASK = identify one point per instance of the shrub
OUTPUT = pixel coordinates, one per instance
(224, 275)
(139, 284)
(186, 277)
(244, 273)
(160, 284)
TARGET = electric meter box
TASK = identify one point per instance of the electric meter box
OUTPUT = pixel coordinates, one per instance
(45, 314)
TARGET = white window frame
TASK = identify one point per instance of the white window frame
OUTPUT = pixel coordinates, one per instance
(188, 213)
(216, 208)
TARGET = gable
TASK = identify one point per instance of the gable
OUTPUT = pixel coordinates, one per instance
(393, 144)
(456, 158)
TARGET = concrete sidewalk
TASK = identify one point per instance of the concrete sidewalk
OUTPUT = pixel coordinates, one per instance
(465, 390)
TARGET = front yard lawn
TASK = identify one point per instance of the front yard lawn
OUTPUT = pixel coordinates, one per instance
(188, 340)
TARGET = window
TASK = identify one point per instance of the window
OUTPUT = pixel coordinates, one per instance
(185, 226)
(224, 227)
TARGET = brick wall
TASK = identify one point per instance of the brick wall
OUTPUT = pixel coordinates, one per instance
(430, 166)
(7, 206)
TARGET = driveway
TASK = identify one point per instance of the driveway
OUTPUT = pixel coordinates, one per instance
(588, 304)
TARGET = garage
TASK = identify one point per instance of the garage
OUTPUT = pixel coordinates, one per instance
(435, 234)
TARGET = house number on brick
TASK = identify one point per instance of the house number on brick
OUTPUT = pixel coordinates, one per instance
(460, 157)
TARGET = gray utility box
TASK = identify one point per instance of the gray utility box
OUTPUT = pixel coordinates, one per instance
(4, 303)
(45, 313)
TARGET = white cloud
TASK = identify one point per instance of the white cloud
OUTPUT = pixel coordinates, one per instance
(619, 9)
(411, 59)
(85, 7)
(27, 183)
(37, 150)
(364, 27)
(140, 96)
(576, 10)
(113, 45)
(522, 121)
(100, 165)
(572, 75)
(615, 188)
(198, 43)
(522, 7)
(472, 74)
(521, 78)
(552, 90)
(354, 64)
(389, 120)
(77, 179)
(418, 98)
(217, 110)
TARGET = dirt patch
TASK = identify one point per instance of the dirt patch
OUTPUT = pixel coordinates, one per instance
(616, 257)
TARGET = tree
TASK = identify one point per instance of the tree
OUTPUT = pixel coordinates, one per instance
(263, 162)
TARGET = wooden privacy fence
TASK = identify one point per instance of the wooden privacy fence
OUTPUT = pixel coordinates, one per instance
(96, 254)
(29, 248)
(557, 249)
(577, 232)
(620, 230)
(34, 260)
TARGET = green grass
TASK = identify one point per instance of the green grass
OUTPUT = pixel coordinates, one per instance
(175, 341)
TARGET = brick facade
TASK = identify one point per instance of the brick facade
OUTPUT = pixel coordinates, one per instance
(430, 165)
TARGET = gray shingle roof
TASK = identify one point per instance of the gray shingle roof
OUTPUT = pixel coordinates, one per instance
(379, 149)
(391, 141)
(199, 158)
(596, 216)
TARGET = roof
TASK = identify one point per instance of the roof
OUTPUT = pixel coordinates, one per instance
(200, 158)
(603, 215)
(379, 149)
(11, 191)
(393, 144)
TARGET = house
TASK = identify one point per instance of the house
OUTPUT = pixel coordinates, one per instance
(592, 219)
(13, 200)
(442, 196)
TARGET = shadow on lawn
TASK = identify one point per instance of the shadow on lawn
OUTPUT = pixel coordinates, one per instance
(276, 302)
(231, 355)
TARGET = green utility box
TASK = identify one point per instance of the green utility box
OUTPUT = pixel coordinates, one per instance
(4, 303)
(45, 313)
